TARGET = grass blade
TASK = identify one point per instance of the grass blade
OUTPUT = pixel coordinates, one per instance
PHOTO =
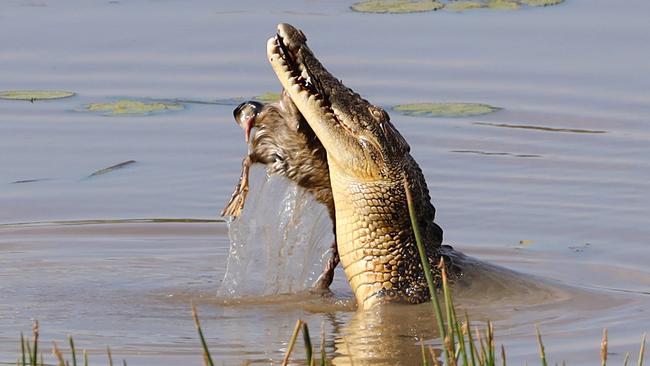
(110, 357)
(542, 353)
(308, 347)
(34, 358)
(482, 359)
(603, 349)
(461, 342)
(323, 360)
(292, 342)
(449, 347)
(59, 356)
(449, 305)
(626, 358)
(470, 340)
(490, 343)
(641, 351)
(425, 362)
(503, 355)
(28, 348)
(425, 266)
(72, 351)
(434, 358)
(207, 358)
(23, 350)
(452, 321)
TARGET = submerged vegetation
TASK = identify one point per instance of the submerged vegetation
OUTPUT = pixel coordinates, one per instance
(416, 6)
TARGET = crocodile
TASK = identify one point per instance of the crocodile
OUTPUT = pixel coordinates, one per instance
(370, 166)
(287, 146)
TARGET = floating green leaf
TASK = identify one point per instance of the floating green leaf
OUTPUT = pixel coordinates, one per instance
(268, 97)
(444, 109)
(33, 95)
(396, 6)
(126, 107)
(464, 5)
(414, 6)
(503, 4)
(541, 2)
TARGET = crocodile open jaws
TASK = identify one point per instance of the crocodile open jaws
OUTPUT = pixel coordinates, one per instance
(369, 161)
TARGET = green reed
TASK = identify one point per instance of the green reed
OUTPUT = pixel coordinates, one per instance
(29, 355)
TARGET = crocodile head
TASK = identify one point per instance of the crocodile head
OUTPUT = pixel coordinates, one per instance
(361, 142)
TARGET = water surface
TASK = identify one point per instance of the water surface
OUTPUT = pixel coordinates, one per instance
(564, 168)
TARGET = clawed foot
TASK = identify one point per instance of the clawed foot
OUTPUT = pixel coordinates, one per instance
(236, 203)
(325, 279)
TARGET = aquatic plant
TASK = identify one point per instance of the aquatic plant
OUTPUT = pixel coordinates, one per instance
(33, 95)
(207, 358)
(131, 107)
(29, 352)
(416, 6)
(396, 6)
(268, 97)
(444, 109)
(464, 5)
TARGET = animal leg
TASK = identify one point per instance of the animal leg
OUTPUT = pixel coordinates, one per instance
(236, 203)
(325, 279)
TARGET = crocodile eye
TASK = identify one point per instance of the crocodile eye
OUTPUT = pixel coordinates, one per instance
(378, 113)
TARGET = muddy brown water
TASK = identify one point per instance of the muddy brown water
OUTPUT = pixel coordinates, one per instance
(554, 186)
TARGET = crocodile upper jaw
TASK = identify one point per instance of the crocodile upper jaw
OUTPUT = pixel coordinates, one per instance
(359, 132)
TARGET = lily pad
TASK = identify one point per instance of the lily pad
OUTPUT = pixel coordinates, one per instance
(444, 109)
(132, 107)
(396, 6)
(268, 97)
(503, 4)
(414, 6)
(32, 95)
(464, 5)
(541, 2)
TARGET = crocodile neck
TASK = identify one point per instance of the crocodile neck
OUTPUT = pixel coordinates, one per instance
(375, 238)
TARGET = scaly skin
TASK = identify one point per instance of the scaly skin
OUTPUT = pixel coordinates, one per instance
(368, 161)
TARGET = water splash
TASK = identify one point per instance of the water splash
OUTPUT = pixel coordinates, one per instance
(280, 242)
